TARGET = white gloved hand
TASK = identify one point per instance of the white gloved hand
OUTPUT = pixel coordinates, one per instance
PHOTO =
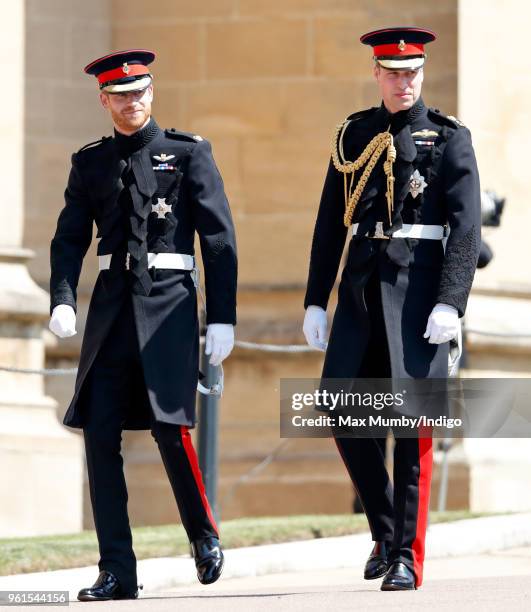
(315, 327)
(63, 321)
(443, 324)
(219, 342)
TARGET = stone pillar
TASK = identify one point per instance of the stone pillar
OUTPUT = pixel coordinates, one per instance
(494, 475)
(41, 462)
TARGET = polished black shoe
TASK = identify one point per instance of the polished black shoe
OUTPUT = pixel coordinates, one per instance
(376, 565)
(106, 587)
(208, 559)
(398, 578)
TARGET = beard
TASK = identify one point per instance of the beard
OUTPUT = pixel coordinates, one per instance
(129, 122)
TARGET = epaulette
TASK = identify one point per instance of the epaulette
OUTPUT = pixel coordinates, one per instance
(362, 114)
(438, 117)
(337, 141)
(175, 134)
(95, 143)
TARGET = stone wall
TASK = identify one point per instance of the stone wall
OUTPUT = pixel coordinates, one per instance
(62, 111)
(266, 82)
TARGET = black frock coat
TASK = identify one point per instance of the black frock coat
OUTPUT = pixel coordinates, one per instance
(413, 275)
(166, 319)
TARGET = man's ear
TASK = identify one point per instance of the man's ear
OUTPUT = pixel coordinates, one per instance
(376, 70)
(104, 99)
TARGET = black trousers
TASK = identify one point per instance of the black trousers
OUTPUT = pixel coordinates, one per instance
(115, 375)
(397, 512)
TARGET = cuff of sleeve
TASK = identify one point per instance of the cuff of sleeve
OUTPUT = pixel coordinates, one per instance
(315, 300)
(220, 317)
(458, 301)
(62, 300)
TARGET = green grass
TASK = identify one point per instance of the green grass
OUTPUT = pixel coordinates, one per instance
(21, 555)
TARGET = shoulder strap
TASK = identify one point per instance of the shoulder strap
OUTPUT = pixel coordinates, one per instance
(95, 143)
(438, 117)
(342, 128)
(362, 113)
(177, 135)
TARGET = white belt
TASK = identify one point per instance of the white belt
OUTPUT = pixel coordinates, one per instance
(171, 261)
(408, 230)
(164, 261)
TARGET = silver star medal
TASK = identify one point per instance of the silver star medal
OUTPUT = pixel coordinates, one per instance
(161, 208)
(417, 184)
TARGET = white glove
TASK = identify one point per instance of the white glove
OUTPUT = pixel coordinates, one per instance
(219, 342)
(443, 324)
(63, 321)
(315, 327)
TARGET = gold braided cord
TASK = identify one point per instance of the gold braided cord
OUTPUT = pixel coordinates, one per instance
(370, 155)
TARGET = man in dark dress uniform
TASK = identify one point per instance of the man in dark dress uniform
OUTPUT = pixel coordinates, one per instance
(403, 182)
(148, 190)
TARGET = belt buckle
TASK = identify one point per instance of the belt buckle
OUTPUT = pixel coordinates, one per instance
(127, 261)
(378, 232)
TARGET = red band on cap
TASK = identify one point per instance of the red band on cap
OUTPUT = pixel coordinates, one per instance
(122, 72)
(395, 49)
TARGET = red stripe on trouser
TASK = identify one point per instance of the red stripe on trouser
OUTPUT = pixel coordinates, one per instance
(192, 458)
(425, 468)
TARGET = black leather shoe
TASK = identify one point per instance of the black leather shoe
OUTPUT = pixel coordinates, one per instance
(398, 578)
(106, 587)
(208, 559)
(376, 565)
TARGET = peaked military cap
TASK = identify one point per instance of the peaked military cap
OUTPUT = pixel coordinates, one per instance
(399, 48)
(122, 70)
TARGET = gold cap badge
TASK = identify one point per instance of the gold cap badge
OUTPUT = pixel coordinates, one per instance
(125, 68)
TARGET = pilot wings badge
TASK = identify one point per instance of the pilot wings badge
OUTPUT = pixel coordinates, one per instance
(163, 157)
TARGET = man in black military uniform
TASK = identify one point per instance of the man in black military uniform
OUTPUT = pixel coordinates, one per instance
(148, 190)
(403, 182)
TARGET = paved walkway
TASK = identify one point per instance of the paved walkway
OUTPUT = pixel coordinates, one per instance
(498, 581)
